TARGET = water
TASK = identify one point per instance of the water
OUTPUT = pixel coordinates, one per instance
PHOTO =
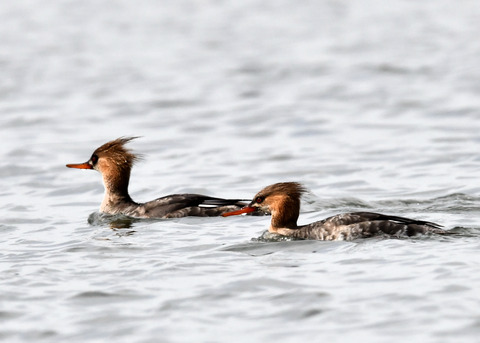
(372, 105)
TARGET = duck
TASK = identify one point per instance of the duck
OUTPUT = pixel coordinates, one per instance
(282, 201)
(115, 161)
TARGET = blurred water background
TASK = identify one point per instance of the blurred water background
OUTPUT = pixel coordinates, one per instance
(373, 105)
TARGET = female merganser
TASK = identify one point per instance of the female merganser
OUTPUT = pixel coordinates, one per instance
(115, 162)
(282, 200)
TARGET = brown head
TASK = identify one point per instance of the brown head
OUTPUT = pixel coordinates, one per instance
(114, 161)
(282, 200)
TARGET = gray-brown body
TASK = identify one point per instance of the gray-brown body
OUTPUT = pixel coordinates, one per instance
(174, 206)
(364, 224)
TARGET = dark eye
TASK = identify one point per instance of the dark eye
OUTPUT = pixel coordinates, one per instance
(259, 200)
(94, 159)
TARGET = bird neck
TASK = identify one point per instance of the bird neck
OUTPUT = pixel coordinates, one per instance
(285, 211)
(116, 190)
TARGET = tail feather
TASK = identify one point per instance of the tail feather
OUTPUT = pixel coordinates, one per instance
(215, 202)
(403, 220)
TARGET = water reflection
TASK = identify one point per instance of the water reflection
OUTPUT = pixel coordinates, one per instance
(113, 221)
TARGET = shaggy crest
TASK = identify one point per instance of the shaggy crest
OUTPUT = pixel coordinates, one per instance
(117, 151)
(291, 189)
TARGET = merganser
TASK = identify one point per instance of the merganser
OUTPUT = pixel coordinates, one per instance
(115, 162)
(282, 200)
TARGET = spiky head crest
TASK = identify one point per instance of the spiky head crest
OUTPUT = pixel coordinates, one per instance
(291, 189)
(116, 152)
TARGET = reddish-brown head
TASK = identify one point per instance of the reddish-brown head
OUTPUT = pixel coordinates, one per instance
(114, 161)
(112, 154)
(282, 200)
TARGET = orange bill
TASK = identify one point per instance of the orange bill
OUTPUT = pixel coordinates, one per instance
(85, 165)
(246, 209)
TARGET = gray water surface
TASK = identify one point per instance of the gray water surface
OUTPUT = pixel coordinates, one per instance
(372, 105)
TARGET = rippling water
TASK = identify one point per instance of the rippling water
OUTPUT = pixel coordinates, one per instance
(372, 105)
